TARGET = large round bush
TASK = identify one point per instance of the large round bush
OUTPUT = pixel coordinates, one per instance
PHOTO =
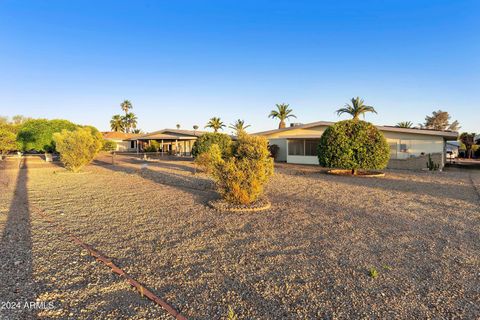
(353, 144)
(205, 141)
(37, 134)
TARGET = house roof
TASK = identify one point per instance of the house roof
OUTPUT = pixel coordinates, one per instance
(449, 135)
(116, 135)
(169, 134)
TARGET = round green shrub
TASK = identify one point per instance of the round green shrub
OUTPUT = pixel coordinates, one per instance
(353, 144)
(109, 145)
(203, 143)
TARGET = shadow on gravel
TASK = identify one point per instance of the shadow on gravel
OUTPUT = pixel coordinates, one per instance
(201, 188)
(16, 258)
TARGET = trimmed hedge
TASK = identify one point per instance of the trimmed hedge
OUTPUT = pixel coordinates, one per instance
(353, 144)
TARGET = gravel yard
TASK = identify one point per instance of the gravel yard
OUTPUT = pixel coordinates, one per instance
(307, 257)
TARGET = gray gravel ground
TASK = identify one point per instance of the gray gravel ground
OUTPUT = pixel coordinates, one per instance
(308, 257)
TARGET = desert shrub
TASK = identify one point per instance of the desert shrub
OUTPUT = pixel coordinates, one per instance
(431, 165)
(109, 145)
(37, 134)
(203, 143)
(153, 147)
(77, 148)
(8, 139)
(209, 159)
(353, 144)
(241, 176)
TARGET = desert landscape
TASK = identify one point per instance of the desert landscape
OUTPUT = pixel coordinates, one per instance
(402, 246)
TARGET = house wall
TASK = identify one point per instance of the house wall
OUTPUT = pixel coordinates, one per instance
(122, 146)
(416, 163)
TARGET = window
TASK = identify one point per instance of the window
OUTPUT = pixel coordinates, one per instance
(296, 148)
(403, 147)
(311, 147)
(132, 144)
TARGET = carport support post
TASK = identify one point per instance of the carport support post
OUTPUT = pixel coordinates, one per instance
(176, 146)
(162, 148)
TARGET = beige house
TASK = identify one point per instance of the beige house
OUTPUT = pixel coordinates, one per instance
(121, 139)
(408, 147)
(172, 141)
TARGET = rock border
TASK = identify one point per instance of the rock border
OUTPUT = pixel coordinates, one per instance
(347, 172)
(222, 205)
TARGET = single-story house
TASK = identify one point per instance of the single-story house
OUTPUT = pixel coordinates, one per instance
(408, 147)
(121, 139)
(172, 141)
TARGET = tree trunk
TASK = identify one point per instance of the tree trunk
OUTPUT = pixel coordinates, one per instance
(281, 125)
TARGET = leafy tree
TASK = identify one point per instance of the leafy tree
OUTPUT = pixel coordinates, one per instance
(356, 109)
(468, 140)
(195, 127)
(8, 139)
(215, 124)
(129, 122)
(440, 120)
(282, 113)
(78, 148)
(206, 140)
(19, 119)
(239, 126)
(3, 120)
(37, 134)
(126, 105)
(117, 123)
(405, 124)
(178, 126)
(353, 144)
(241, 176)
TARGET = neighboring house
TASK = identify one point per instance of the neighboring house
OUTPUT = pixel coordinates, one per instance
(173, 141)
(121, 138)
(408, 147)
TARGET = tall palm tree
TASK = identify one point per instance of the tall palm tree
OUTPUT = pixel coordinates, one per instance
(405, 124)
(239, 126)
(216, 124)
(356, 109)
(130, 121)
(282, 113)
(117, 124)
(126, 105)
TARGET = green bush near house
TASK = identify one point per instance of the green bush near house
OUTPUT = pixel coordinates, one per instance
(37, 134)
(77, 148)
(109, 145)
(353, 144)
(203, 143)
(153, 147)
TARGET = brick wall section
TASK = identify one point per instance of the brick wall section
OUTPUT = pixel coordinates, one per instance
(416, 163)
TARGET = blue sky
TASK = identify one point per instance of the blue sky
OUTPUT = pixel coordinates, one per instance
(186, 61)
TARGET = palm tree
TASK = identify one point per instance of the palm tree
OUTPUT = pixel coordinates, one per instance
(117, 124)
(126, 105)
(405, 124)
(216, 124)
(130, 121)
(356, 109)
(137, 131)
(282, 113)
(239, 126)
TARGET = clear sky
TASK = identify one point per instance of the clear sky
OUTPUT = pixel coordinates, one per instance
(186, 61)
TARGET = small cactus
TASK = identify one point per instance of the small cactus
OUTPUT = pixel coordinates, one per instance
(432, 166)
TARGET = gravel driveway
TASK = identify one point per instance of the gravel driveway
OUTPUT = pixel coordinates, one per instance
(308, 257)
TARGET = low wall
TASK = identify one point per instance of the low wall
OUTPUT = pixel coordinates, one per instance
(416, 163)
